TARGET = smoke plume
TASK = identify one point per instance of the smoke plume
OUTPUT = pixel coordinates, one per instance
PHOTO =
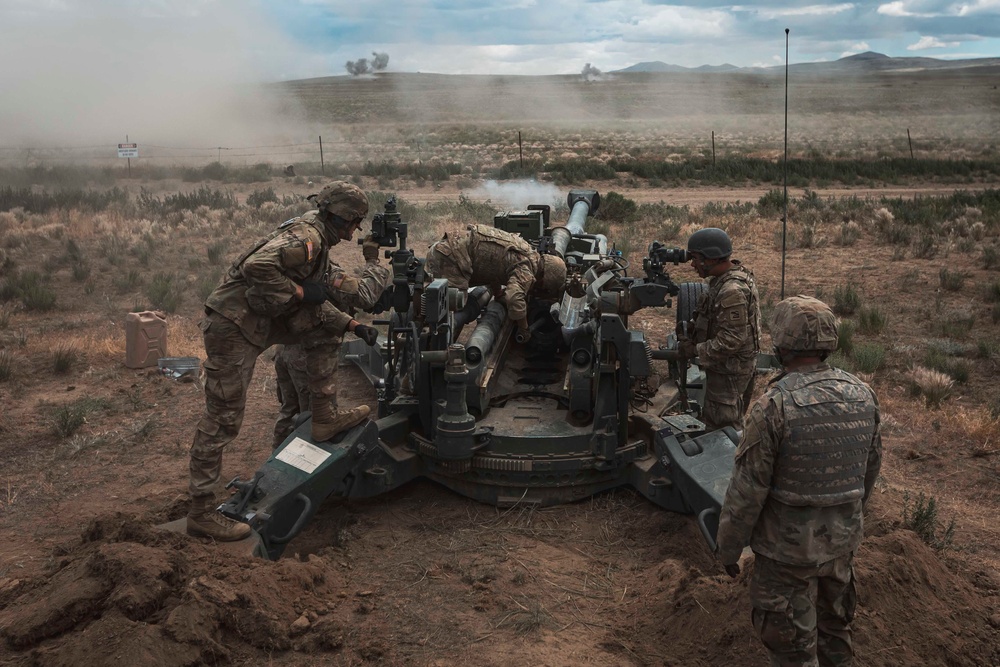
(590, 73)
(362, 66)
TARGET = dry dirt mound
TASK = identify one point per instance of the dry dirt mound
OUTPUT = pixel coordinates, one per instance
(139, 596)
(145, 597)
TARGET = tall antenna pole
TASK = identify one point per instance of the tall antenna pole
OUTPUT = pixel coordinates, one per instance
(784, 216)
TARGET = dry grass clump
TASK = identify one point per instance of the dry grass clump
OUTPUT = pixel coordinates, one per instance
(934, 386)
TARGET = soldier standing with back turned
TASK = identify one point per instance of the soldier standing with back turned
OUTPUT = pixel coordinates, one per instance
(274, 293)
(805, 467)
(726, 330)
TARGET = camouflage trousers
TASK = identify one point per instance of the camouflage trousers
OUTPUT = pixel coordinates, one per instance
(803, 613)
(229, 365)
(290, 364)
(727, 397)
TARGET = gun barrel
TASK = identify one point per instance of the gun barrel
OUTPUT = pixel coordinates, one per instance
(482, 339)
(582, 203)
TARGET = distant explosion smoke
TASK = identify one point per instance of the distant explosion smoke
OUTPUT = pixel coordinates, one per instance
(590, 73)
(361, 66)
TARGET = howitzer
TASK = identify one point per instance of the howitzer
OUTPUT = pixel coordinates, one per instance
(574, 411)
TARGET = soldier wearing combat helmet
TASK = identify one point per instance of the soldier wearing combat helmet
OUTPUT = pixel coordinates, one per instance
(275, 292)
(805, 467)
(513, 270)
(725, 334)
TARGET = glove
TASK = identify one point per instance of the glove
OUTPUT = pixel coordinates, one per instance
(687, 348)
(313, 293)
(733, 570)
(369, 248)
(367, 334)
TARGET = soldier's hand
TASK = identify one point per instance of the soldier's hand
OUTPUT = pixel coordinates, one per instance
(370, 248)
(733, 570)
(313, 293)
(367, 334)
(686, 348)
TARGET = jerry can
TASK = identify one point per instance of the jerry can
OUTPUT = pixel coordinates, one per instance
(145, 338)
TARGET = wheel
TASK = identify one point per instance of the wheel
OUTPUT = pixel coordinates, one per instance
(687, 300)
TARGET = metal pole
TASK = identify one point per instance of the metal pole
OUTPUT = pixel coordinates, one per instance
(713, 148)
(784, 217)
(129, 160)
(909, 141)
(520, 149)
(322, 165)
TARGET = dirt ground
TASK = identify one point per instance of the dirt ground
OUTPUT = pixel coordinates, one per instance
(425, 577)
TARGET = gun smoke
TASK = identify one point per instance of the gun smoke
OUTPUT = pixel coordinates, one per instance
(519, 194)
(362, 66)
(590, 73)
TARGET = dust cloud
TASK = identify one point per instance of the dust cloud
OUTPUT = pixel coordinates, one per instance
(88, 73)
(519, 194)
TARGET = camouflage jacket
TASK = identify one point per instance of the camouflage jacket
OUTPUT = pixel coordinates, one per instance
(503, 261)
(810, 527)
(351, 294)
(259, 287)
(727, 322)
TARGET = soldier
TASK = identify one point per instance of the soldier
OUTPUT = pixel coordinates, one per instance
(513, 270)
(347, 293)
(725, 335)
(274, 293)
(805, 467)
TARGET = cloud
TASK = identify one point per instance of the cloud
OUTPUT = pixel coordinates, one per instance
(784, 12)
(855, 49)
(927, 42)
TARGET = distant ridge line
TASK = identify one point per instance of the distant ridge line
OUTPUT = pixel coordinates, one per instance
(867, 61)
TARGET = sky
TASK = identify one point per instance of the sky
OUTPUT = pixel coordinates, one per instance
(95, 63)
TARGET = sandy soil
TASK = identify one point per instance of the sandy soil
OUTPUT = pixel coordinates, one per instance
(425, 577)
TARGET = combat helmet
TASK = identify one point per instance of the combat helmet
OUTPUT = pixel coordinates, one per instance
(553, 277)
(710, 243)
(344, 200)
(804, 324)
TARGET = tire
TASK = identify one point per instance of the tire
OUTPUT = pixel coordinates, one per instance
(687, 300)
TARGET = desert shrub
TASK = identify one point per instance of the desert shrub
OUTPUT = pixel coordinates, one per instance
(6, 365)
(165, 292)
(5, 316)
(872, 320)
(922, 518)
(850, 233)
(113, 247)
(64, 357)
(840, 360)
(257, 198)
(846, 299)
(67, 419)
(127, 281)
(30, 287)
(991, 257)
(953, 324)
(933, 385)
(995, 313)
(925, 247)
(869, 357)
(992, 291)
(951, 280)
(215, 251)
(81, 271)
(616, 208)
(845, 337)
(938, 358)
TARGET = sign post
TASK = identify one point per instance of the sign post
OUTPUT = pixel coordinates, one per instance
(128, 151)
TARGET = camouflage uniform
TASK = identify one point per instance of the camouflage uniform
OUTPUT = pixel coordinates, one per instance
(254, 308)
(804, 469)
(349, 294)
(727, 338)
(484, 255)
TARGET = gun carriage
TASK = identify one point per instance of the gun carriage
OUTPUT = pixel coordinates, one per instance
(575, 410)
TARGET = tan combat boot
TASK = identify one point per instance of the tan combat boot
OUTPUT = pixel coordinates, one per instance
(204, 521)
(327, 423)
